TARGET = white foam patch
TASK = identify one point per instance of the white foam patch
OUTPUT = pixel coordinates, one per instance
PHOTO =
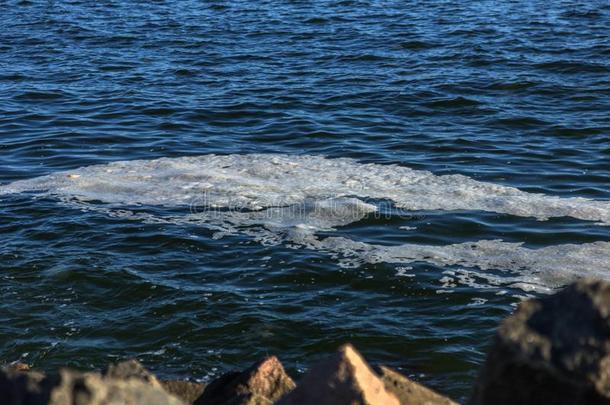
(540, 270)
(287, 199)
(256, 181)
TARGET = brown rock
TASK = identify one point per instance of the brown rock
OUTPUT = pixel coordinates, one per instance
(409, 392)
(185, 390)
(131, 369)
(74, 388)
(344, 378)
(263, 383)
(553, 350)
(17, 366)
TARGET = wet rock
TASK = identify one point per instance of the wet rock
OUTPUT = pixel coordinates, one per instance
(185, 390)
(344, 378)
(409, 392)
(553, 350)
(263, 383)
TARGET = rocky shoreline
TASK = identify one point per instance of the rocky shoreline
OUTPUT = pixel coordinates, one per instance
(552, 350)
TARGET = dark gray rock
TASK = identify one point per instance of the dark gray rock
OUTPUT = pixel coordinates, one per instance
(19, 386)
(262, 384)
(553, 350)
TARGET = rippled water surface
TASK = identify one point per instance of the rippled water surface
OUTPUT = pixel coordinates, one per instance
(327, 214)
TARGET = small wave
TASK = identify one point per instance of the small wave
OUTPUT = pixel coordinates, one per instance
(115, 68)
(316, 20)
(185, 72)
(361, 58)
(13, 77)
(417, 45)
(572, 67)
(158, 111)
(519, 122)
(40, 95)
(457, 102)
(585, 14)
(511, 86)
(577, 132)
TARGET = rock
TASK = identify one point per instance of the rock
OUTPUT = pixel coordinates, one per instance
(185, 390)
(344, 378)
(263, 383)
(553, 350)
(132, 369)
(129, 369)
(20, 387)
(409, 392)
(74, 388)
(18, 366)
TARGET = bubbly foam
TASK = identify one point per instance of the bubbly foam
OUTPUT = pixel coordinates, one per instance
(287, 199)
(539, 269)
(257, 181)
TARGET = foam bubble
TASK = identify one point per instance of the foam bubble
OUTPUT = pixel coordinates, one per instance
(288, 199)
(257, 181)
(538, 270)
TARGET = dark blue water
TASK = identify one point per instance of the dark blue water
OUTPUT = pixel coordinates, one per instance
(513, 93)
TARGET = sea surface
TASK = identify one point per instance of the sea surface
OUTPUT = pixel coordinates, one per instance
(200, 184)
